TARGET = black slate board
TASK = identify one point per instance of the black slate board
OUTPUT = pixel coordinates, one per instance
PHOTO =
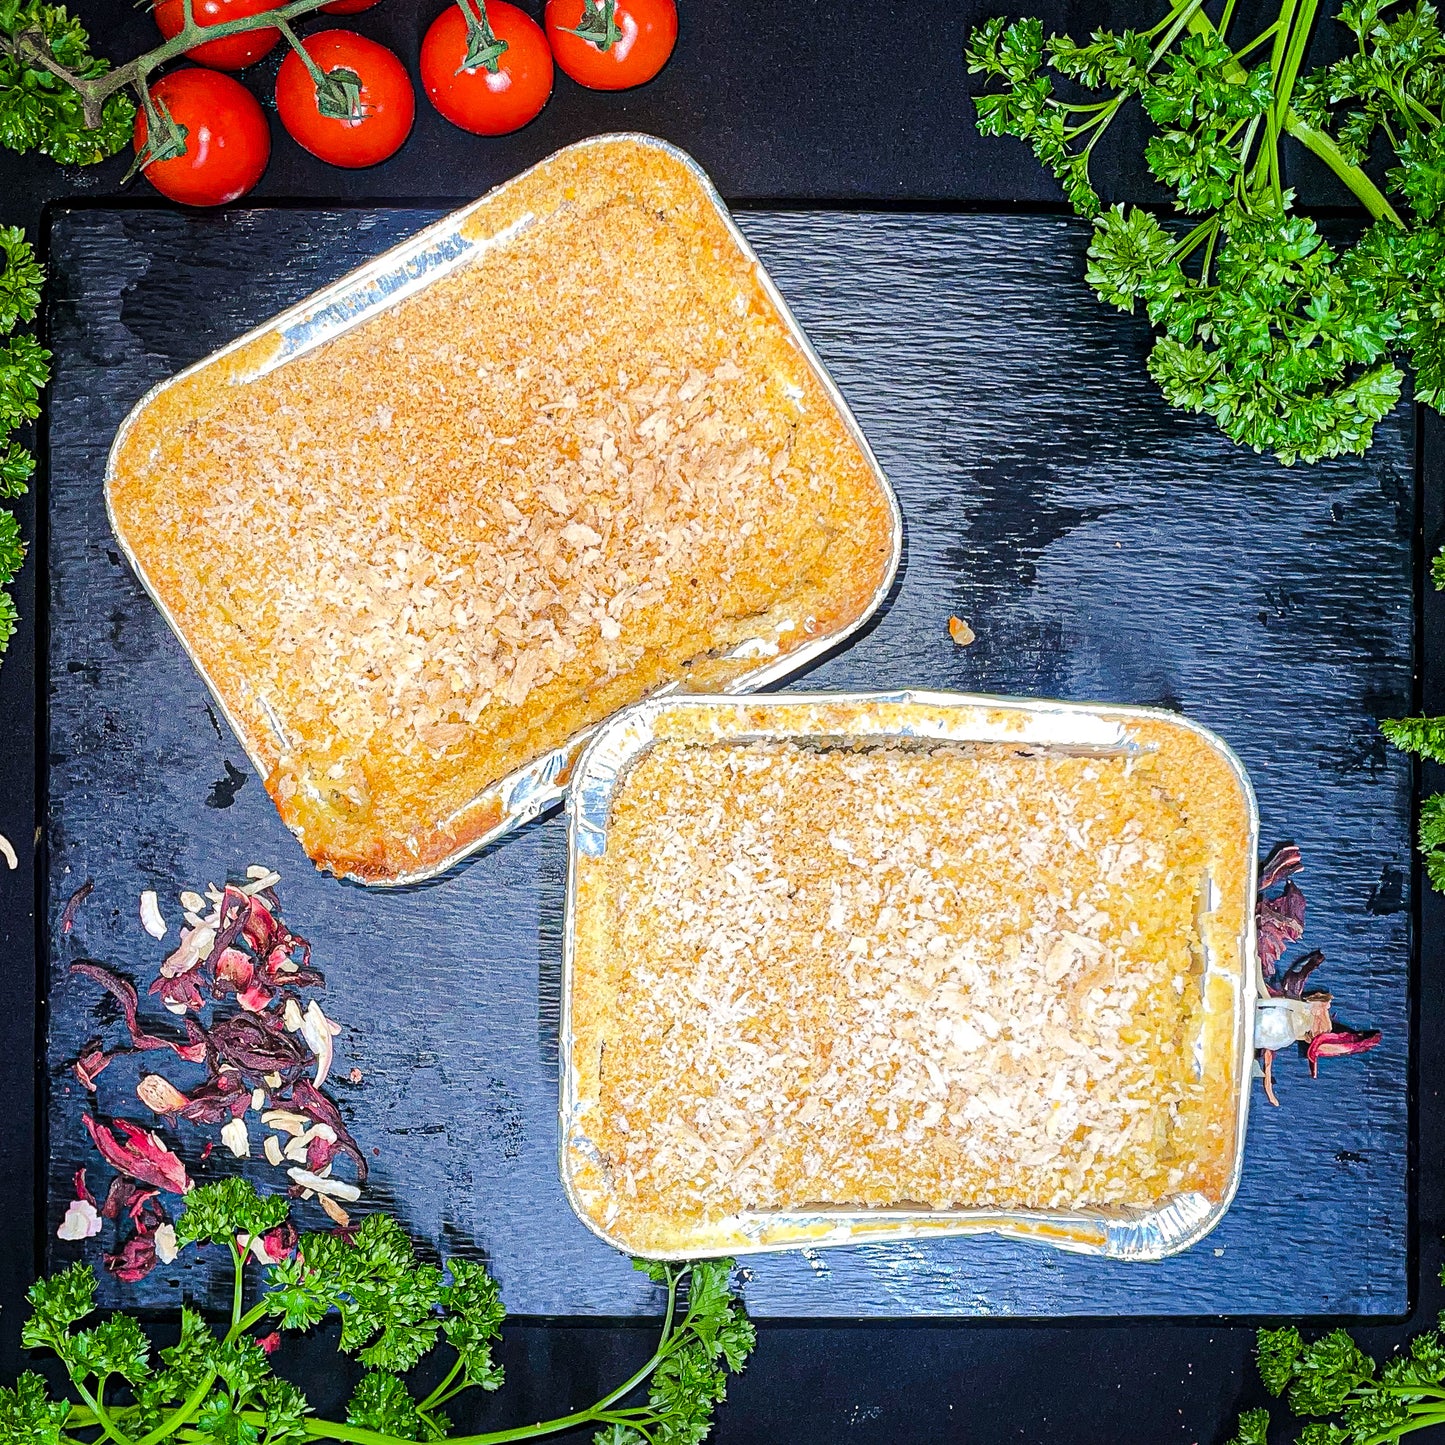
(1102, 546)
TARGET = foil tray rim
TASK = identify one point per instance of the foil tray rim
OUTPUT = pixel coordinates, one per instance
(1147, 1236)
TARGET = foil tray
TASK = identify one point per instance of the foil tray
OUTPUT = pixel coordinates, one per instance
(392, 277)
(1232, 978)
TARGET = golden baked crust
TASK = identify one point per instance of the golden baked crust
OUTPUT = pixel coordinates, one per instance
(587, 463)
(962, 977)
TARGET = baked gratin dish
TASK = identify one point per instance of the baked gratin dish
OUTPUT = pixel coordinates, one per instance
(827, 978)
(416, 546)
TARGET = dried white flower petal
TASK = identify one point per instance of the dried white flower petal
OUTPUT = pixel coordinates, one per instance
(291, 1016)
(81, 1221)
(272, 1150)
(150, 914)
(195, 946)
(192, 902)
(317, 1030)
(337, 1188)
(236, 1138)
(164, 1240)
(7, 852)
(335, 1211)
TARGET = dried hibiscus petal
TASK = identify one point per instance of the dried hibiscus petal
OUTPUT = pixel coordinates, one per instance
(123, 992)
(72, 905)
(1337, 1042)
(257, 1047)
(180, 993)
(92, 1063)
(1284, 861)
(1281, 922)
(1292, 985)
(134, 1260)
(137, 1153)
(315, 1105)
(234, 972)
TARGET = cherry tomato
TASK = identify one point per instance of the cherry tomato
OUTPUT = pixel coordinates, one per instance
(348, 7)
(487, 99)
(623, 42)
(227, 140)
(322, 126)
(231, 52)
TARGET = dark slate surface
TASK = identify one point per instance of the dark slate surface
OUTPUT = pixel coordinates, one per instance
(1102, 547)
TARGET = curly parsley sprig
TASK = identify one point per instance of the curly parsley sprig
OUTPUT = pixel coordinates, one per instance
(24, 370)
(1292, 345)
(1349, 1398)
(219, 1389)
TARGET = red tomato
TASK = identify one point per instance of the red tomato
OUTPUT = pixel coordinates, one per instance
(348, 7)
(231, 52)
(385, 99)
(623, 42)
(227, 140)
(487, 99)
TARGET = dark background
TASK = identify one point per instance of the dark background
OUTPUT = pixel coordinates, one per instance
(845, 103)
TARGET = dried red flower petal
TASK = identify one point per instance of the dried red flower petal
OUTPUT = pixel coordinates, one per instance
(256, 1045)
(118, 1197)
(1337, 1042)
(218, 1100)
(1281, 922)
(256, 998)
(134, 1260)
(93, 1063)
(81, 1192)
(179, 989)
(279, 1243)
(269, 1344)
(137, 1153)
(1284, 861)
(320, 1152)
(316, 1106)
(1293, 982)
(123, 992)
(72, 905)
(234, 972)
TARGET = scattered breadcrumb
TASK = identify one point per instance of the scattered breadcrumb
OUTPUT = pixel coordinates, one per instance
(960, 631)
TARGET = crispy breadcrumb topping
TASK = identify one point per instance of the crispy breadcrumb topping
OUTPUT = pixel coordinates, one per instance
(589, 462)
(947, 976)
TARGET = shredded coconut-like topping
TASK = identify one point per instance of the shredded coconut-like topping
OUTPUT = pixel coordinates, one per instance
(589, 463)
(952, 978)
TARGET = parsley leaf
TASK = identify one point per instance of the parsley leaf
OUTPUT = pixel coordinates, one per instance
(387, 1299)
(27, 1414)
(39, 111)
(1253, 1428)
(382, 1402)
(474, 1319)
(217, 1213)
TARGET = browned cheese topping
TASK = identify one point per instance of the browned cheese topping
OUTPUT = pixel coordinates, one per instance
(589, 462)
(951, 978)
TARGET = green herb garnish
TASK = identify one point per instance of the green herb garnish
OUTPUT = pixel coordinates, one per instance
(219, 1388)
(1293, 345)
